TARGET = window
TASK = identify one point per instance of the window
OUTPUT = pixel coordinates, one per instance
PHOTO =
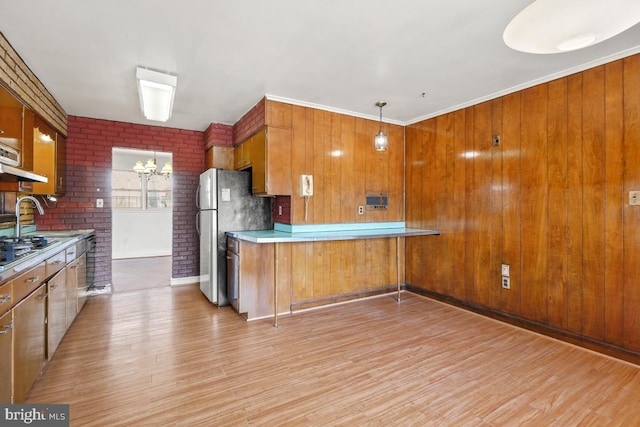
(131, 190)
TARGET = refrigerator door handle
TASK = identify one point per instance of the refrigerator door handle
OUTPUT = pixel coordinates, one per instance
(198, 196)
(198, 222)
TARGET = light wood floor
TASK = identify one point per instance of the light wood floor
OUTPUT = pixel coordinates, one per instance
(140, 273)
(166, 357)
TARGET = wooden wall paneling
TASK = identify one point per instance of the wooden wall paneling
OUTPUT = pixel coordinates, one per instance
(285, 284)
(574, 204)
(470, 208)
(413, 184)
(442, 161)
(396, 173)
(497, 232)
(319, 270)
(361, 267)
(482, 205)
(337, 164)
(430, 189)
(347, 192)
(511, 218)
(557, 190)
(320, 154)
(631, 213)
(456, 221)
(309, 141)
(299, 164)
(613, 222)
(362, 140)
(593, 202)
(534, 203)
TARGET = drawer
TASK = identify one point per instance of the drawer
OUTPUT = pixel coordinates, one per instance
(28, 282)
(6, 297)
(71, 252)
(55, 263)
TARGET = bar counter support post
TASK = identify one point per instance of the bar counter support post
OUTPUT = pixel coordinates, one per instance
(398, 264)
(275, 285)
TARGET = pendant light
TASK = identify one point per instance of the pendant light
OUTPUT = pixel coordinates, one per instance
(380, 141)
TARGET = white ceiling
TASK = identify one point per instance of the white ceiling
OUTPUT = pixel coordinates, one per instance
(342, 55)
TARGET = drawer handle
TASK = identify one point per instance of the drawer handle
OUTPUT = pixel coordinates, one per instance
(53, 287)
(56, 262)
(42, 296)
(6, 329)
(5, 299)
(33, 279)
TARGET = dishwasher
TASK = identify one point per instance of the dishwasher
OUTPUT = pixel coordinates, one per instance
(233, 271)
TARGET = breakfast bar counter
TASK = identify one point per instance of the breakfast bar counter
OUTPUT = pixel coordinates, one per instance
(285, 234)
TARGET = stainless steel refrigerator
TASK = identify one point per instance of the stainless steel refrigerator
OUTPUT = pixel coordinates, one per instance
(225, 204)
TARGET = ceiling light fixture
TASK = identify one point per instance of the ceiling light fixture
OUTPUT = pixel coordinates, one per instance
(151, 168)
(156, 91)
(381, 141)
(555, 26)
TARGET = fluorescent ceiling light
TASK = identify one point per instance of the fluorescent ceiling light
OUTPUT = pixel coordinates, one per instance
(554, 26)
(156, 91)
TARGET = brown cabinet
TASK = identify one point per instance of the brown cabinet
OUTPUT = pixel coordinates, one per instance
(220, 158)
(29, 345)
(56, 311)
(55, 263)
(268, 153)
(11, 114)
(72, 299)
(6, 338)
(6, 297)
(79, 268)
(49, 150)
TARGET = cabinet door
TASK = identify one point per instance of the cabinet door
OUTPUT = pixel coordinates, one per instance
(56, 311)
(29, 341)
(278, 179)
(61, 162)
(258, 163)
(6, 335)
(72, 298)
(81, 282)
(44, 156)
(10, 120)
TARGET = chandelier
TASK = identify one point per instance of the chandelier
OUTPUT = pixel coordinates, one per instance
(151, 168)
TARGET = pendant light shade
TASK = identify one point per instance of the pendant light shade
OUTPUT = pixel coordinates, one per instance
(380, 141)
(555, 26)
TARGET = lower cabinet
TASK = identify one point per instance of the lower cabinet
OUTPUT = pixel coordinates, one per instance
(6, 337)
(81, 281)
(72, 298)
(29, 342)
(56, 311)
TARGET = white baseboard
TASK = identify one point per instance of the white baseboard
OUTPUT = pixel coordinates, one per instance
(182, 281)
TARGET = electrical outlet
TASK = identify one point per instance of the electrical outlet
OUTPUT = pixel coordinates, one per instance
(99, 203)
(279, 210)
(634, 198)
(360, 210)
(506, 283)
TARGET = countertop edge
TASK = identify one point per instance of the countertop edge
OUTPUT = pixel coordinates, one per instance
(271, 236)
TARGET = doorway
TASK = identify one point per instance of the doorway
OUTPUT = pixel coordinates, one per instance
(142, 217)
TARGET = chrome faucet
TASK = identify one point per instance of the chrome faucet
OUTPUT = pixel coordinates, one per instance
(20, 200)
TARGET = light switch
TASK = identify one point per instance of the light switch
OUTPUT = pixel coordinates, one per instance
(634, 198)
(99, 203)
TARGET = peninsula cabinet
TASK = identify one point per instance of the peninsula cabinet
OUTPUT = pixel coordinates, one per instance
(29, 342)
(268, 154)
(6, 337)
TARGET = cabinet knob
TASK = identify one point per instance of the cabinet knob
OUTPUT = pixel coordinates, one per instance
(33, 279)
(5, 299)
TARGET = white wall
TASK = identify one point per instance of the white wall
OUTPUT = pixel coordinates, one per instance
(141, 233)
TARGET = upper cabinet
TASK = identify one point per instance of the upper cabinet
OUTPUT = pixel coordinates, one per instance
(268, 153)
(11, 112)
(49, 150)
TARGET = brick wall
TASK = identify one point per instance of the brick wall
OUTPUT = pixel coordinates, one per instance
(218, 134)
(89, 144)
(16, 77)
(250, 123)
